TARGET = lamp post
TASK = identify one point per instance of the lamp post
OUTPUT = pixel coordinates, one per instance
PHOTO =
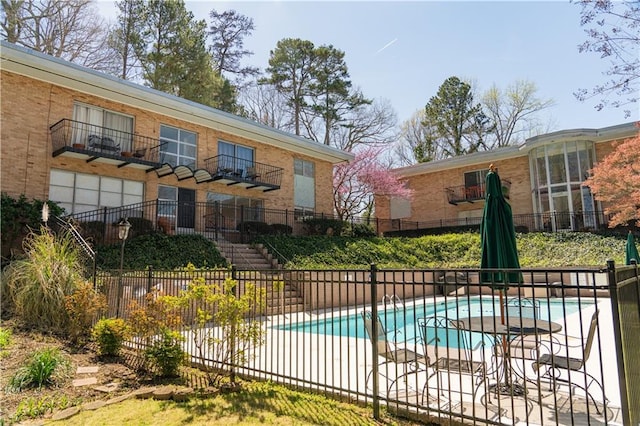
(123, 233)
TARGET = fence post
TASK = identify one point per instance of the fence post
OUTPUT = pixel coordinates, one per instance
(104, 229)
(374, 340)
(149, 278)
(232, 375)
(617, 333)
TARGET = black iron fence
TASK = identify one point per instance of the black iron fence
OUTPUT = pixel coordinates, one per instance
(241, 223)
(533, 222)
(433, 344)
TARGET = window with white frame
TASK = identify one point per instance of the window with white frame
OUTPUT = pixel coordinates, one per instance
(304, 187)
(178, 147)
(93, 124)
(80, 192)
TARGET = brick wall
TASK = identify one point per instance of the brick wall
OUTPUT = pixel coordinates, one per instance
(30, 106)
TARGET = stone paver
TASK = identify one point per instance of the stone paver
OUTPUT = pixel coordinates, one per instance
(84, 382)
(94, 405)
(108, 388)
(65, 414)
(91, 369)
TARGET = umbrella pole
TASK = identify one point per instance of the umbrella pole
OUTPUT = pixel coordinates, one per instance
(505, 354)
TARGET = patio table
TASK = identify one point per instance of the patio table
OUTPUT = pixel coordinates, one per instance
(505, 332)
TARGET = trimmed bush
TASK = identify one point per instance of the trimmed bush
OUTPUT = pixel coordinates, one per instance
(281, 229)
(251, 227)
(110, 334)
(324, 226)
(165, 353)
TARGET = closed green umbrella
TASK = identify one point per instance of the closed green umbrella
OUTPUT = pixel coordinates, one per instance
(498, 238)
(632, 251)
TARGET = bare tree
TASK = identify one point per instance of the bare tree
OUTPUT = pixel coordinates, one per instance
(412, 133)
(227, 31)
(369, 124)
(512, 112)
(613, 28)
(125, 36)
(68, 29)
(265, 104)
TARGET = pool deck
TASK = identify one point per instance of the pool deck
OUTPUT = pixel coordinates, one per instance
(330, 363)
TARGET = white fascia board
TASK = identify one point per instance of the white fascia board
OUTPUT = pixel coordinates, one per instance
(617, 132)
(66, 74)
(481, 157)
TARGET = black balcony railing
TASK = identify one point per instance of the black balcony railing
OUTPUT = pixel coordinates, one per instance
(472, 193)
(251, 174)
(95, 142)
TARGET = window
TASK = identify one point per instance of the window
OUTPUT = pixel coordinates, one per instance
(167, 201)
(178, 147)
(304, 187)
(237, 158)
(474, 183)
(79, 192)
(475, 178)
(230, 208)
(92, 122)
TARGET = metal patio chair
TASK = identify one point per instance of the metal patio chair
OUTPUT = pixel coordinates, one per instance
(410, 361)
(553, 365)
(449, 348)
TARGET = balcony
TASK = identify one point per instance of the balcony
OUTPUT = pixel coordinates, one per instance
(471, 194)
(98, 144)
(242, 172)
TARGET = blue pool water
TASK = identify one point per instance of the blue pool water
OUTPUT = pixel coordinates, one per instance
(403, 322)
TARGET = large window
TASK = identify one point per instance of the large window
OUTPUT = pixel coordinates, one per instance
(304, 187)
(178, 147)
(79, 192)
(232, 209)
(237, 158)
(558, 171)
(93, 123)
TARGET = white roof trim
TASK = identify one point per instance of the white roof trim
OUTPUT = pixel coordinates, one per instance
(620, 131)
(63, 73)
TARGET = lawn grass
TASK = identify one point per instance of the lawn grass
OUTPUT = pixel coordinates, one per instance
(255, 403)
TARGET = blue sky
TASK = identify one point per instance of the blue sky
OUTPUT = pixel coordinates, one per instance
(403, 51)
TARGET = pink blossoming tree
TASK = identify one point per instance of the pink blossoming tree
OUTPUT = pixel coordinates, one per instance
(355, 183)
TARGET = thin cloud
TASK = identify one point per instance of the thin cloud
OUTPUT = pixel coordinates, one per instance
(386, 45)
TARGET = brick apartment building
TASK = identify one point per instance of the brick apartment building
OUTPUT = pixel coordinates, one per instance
(542, 178)
(88, 141)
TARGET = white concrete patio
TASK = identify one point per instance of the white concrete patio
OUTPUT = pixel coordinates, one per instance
(339, 365)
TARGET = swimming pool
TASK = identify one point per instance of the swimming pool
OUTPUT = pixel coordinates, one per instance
(401, 324)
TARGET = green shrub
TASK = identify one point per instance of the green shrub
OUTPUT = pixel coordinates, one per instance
(324, 226)
(362, 230)
(162, 251)
(93, 231)
(5, 341)
(254, 227)
(46, 367)
(36, 286)
(281, 229)
(110, 335)
(18, 217)
(165, 353)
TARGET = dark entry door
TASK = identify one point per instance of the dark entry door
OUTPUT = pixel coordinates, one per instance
(186, 208)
